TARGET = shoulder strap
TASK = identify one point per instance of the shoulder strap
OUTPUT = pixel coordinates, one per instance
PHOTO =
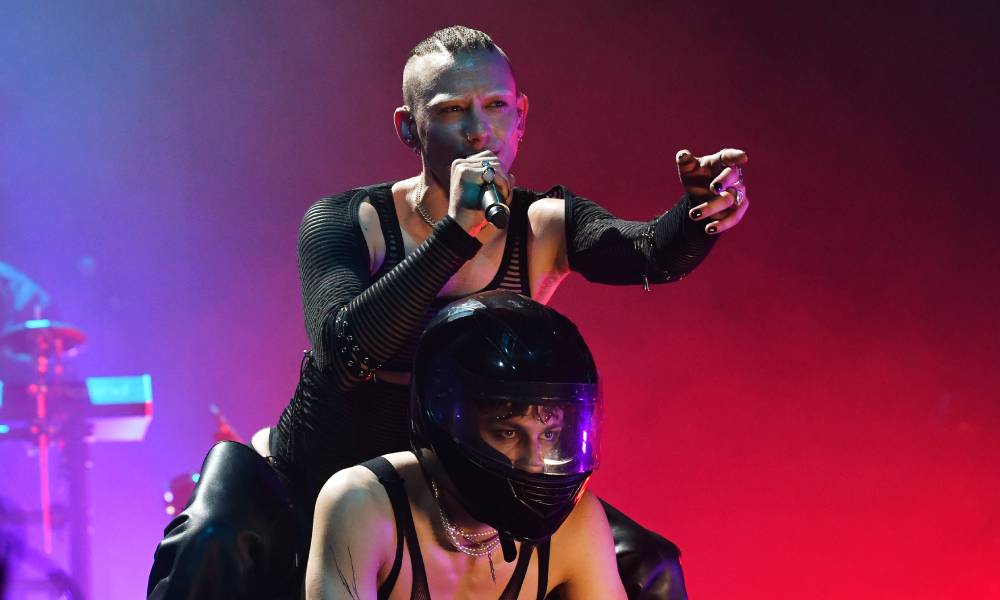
(393, 485)
(521, 223)
(513, 588)
(392, 234)
(513, 271)
(543, 569)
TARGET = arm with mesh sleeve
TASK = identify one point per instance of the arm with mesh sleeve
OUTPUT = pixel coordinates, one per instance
(606, 249)
(354, 325)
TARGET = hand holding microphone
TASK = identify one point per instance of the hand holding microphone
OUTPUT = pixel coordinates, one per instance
(496, 211)
(477, 191)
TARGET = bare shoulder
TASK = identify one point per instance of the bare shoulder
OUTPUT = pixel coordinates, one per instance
(367, 215)
(353, 536)
(355, 489)
(548, 263)
(354, 504)
(356, 492)
(587, 519)
(403, 461)
(546, 214)
(371, 229)
(583, 552)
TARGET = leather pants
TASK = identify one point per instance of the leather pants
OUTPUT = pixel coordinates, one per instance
(238, 537)
(241, 536)
(649, 564)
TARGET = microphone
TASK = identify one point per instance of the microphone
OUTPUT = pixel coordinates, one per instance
(496, 211)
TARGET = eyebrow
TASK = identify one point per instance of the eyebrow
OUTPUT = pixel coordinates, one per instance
(506, 424)
(445, 98)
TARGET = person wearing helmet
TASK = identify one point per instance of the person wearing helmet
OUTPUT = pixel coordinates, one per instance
(492, 501)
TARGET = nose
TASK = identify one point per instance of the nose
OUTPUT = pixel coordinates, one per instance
(531, 457)
(477, 129)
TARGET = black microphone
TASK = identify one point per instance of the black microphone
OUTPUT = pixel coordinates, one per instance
(496, 211)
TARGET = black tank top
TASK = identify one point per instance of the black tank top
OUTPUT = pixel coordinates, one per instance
(512, 274)
(394, 487)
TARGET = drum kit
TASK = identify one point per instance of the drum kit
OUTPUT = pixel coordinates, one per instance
(59, 418)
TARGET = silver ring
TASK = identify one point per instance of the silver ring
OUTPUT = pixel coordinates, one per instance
(490, 173)
(739, 198)
(739, 171)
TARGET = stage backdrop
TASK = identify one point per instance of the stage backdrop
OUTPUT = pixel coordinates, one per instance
(811, 414)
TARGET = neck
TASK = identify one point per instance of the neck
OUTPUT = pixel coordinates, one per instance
(429, 196)
(475, 541)
(457, 514)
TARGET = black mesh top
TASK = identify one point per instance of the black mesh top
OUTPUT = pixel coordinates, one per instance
(358, 322)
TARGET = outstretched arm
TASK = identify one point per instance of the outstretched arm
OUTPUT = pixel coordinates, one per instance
(573, 233)
(351, 534)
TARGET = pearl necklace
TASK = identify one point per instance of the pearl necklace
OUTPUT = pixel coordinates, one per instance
(472, 543)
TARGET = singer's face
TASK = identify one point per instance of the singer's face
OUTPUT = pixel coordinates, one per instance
(466, 104)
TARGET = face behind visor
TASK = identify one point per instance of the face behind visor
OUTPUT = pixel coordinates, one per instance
(505, 402)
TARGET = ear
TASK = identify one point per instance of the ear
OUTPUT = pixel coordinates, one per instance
(522, 114)
(406, 127)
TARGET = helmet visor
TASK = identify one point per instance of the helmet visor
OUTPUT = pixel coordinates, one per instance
(538, 428)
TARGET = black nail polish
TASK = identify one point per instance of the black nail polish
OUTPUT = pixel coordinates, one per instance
(696, 213)
(711, 229)
(717, 187)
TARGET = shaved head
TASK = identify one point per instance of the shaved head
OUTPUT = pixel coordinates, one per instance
(436, 53)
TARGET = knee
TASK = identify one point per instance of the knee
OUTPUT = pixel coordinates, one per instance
(238, 484)
(261, 442)
(650, 566)
(239, 525)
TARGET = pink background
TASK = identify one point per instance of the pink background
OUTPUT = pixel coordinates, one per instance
(812, 414)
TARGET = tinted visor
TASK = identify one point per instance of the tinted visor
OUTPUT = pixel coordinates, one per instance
(539, 428)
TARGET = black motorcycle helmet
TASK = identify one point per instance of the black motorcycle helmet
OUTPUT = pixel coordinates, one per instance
(504, 401)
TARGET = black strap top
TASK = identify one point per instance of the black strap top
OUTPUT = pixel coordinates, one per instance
(393, 485)
(511, 275)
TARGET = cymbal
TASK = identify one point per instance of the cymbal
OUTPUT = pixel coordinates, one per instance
(42, 337)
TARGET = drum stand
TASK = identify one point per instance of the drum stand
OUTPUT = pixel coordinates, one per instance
(65, 429)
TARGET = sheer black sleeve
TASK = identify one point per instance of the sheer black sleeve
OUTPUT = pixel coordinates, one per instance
(354, 325)
(606, 249)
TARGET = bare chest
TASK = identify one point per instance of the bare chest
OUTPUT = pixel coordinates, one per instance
(501, 249)
(453, 575)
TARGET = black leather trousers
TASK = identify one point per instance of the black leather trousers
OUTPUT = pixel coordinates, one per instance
(649, 564)
(245, 535)
(239, 537)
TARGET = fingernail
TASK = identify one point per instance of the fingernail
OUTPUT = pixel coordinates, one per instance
(717, 187)
(696, 213)
(684, 157)
(711, 229)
